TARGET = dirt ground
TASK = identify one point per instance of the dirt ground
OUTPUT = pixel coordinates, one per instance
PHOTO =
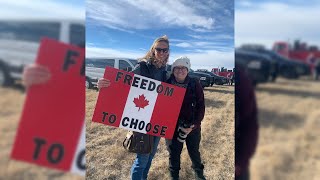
(289, 119)
(106, 158)
(288, 147)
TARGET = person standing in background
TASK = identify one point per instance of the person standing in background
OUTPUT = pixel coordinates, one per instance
(246, 124)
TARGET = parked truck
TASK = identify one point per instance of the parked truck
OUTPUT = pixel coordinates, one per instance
(227, 73)
(20, 38)
(280, 65)
(309, 55)
(95, 67)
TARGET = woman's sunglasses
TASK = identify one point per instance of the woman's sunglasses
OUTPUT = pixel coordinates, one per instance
(164, 50)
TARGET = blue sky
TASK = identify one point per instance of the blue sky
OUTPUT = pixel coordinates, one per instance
(267, 21)
(20, 9)
(201, 30)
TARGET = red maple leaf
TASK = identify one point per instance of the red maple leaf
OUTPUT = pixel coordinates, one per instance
(141, 102)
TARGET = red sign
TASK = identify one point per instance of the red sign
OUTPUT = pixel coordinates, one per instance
(138, 103)
(52, 120)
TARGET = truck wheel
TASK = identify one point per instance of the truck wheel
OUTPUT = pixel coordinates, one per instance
(294, 74)
(88, 84)
(5, 79)
(273, 77)
(315, 75)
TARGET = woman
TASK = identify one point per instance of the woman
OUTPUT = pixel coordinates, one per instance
(153, 66)
(189, 124)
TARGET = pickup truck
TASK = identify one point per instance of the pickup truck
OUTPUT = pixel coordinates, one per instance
(205, 79)
(287, 68)
(19, 42)
(216, 79)
(95, 68)
(257, 65)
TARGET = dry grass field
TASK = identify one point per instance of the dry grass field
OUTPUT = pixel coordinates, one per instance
(288, 148)
(289, 143)
(11, 103)
(106, 158)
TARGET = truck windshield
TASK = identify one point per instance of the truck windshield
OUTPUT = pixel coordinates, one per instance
(29, 31)
(99, 63)
(133, 61)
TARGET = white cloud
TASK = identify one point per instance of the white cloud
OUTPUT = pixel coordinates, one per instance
(245, 3)
(201, 30)
(208, 59)
(212, 37)
(39, 9)
(183, 45)
(107, 52)
(90, 44)
(227, 12)
(142, 14)
(205, 45)
(177, 40)
(270, 22)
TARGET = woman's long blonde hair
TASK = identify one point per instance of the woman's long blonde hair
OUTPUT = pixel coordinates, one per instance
(150, 56)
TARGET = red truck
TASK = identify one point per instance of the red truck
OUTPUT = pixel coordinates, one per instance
(223, 72)
(299, 51)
